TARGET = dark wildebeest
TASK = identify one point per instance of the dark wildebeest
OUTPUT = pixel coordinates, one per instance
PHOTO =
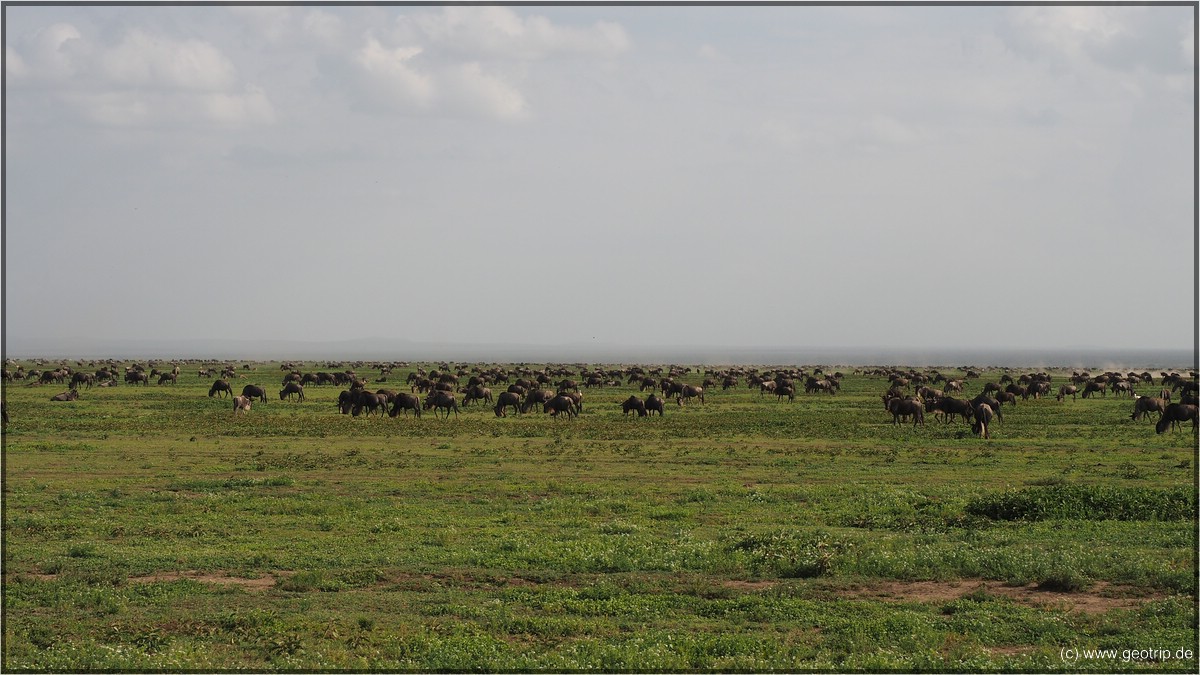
(1006, 397)
(254, 392)
(82, 378)
(654, 403)
(441, 400)
(1067, 389)
(405, 402)
(576, 398)
(983, 417)
(477, 393)
(634, 403)
(690, 391)
(167, 377)
(241, 404)
(1039, 389)
(136, 376)
(1093, 387)
(560, 404)
(220, 387)
(535, 397)
(991, 403)
(506, 399)
(70, 395)
(1176, 413)
(1144, 405)
(905, 407)
(948, 408)
(290, 389)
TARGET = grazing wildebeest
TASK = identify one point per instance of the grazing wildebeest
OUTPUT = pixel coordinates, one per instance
(576, 398)
(983, 417)
(292, 388)
(690, 391)
(241, 404)
(82, 378)
(1176, 413)
(1006, 397)
(254, 392)
(70, 395)
(136, 376)
(634, 403)
(164, 378)
(905, 407)
(991, 403)
(560, 404)
(953, 385)
(477, 393)
(949, 407)
(654, 403)
(220, 387)
(535, 397)
(1067, 389)
(1144, 405)
(405, 402)
(506, 399)
(1093, 387)
(788, 390)
(441, 400)
(1039, 389)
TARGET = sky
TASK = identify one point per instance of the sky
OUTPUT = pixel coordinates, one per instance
(1018, 177)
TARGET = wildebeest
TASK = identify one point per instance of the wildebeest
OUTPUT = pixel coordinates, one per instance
(79, 378)
(948, 407)
(164, 378)
(1144, 405)
(241, 404)
(405, 402)
(505, 400)
(441, 400)
(634, 403)
(252, 391)
(983, 417)
(292, 388)
(1067, 389)
(1093, 387)
(220, 387)
(991, 403)
(690, 391)
(654, 403)
(1176, 413)
(477, 393)
(535, 397)
(136, 376)
(70, 395)
(560, 404)
(906, 407)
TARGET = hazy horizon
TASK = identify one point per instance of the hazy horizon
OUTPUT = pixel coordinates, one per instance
(641, 177)
(384, 350)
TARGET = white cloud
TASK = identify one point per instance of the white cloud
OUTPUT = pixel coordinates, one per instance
(481, 93)
(249, 107)
(56, 50)
(391, 79)
(323, 26)
(499, 32)
(14, 65)
(149, 60)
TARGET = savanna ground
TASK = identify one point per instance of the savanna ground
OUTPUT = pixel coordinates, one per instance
(148, 528)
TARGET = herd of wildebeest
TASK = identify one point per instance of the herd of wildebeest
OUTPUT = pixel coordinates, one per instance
(557, 390)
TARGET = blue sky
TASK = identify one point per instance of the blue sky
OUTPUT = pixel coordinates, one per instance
(1016, 177)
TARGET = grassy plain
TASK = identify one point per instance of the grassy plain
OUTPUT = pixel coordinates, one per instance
(148, 528)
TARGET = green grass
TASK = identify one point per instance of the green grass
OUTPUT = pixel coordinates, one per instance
(150, 529)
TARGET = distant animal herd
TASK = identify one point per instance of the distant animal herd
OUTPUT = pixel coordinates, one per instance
(557, 390)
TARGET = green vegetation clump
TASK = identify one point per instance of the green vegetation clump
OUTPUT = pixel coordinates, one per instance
(1087, 502)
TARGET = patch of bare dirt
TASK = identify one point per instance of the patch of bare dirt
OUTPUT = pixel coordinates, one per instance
(749, 585)
(260, 584)
(1100, 598)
